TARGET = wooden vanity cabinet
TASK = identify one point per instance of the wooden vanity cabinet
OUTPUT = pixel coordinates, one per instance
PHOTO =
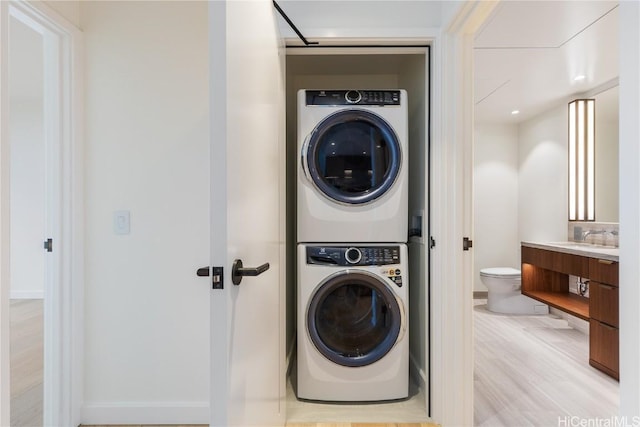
(604, 347)
(545, 277)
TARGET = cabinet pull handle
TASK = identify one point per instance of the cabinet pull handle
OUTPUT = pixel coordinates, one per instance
(607, 287)
(605, 261)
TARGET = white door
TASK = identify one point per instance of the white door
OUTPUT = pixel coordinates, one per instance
(247, 210)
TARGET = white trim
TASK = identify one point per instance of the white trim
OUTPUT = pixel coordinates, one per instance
(145, 413)
(418, 374)
(219, 390)
(357, 35)
(22, 294)
(628, 36)
(289, 357)
(4, 218)
(451, 218)
(63, 288)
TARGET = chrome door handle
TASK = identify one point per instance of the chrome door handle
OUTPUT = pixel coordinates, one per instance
(238, 271)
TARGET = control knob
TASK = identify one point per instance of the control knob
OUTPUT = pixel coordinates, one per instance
(353, 96)
(353, 255)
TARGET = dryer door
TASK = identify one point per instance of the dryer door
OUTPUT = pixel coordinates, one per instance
(354, 318)
(353, 156)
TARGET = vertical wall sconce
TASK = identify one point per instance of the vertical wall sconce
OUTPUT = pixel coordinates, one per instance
(582, 160)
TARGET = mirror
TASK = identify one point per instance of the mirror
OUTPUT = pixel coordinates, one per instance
(606, 156)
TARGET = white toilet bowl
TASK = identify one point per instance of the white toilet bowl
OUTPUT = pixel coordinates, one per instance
(503, 284)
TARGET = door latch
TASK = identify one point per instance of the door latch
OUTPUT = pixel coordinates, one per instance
(216, 273)
(467, 243)
(48, 245)
(238, 271)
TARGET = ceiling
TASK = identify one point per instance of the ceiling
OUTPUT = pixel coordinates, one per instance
(529, 52)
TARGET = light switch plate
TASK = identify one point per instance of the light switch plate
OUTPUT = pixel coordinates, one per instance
(121, 222)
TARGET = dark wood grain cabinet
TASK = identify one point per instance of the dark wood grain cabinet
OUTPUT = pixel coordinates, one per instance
(545, 277)
(604, 344)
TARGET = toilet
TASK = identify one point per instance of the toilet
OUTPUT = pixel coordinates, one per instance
(503, 284)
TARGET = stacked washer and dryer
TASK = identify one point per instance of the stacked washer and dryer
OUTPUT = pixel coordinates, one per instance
(352, 216)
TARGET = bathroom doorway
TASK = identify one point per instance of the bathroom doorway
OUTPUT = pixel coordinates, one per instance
(41, 193)
(28, 200)
(532, 369)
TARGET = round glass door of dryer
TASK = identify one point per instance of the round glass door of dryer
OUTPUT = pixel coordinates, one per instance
(353, 156)
(354, 319)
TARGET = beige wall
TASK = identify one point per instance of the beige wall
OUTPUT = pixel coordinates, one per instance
(495, 209)
(70, 10)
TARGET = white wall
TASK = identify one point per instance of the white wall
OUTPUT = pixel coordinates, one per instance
(542, 183)
(496, 242)
(146, 151)
(26, 136)
(607, 153)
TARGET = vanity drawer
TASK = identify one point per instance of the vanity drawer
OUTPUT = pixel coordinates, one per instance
(556, 261)
(603, 348)
(603, 271)
(603, 303)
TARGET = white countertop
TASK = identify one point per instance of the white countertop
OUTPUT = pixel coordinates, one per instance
(576, 248)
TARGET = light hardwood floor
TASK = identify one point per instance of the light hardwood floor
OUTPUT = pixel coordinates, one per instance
(310, 425)
(409, 412)
(26, 362)
(534, 371)
(529, 370)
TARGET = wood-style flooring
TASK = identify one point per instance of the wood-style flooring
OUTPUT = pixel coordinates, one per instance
(529, 371)
(534, 371)
(407, 412)
(26, 362)
(306, 425)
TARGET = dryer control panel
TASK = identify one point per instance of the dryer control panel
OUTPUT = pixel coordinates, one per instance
(353, 255)
(353, 97)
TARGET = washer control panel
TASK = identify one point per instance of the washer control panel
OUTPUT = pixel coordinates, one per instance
(387, 258)
(353, 255)
(353, 97)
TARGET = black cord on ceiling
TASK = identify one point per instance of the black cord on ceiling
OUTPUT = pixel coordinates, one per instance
(292, 25)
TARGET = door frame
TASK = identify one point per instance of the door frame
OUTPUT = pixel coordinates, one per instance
(451, 209)
(452, 194)
(63, 306)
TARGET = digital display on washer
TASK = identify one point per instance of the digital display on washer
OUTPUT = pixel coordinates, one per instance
(353, 97)
(353, 255)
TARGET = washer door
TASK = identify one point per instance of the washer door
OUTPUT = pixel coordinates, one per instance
(353, 156)
(354, 318)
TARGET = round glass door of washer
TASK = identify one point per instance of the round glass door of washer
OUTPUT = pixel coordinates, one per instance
(354, 319)
(353, 156)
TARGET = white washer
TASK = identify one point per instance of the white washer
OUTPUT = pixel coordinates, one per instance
(353, 166)
(353, 340)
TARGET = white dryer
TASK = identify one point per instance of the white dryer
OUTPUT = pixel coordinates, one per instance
(352, 329)
(352, 183)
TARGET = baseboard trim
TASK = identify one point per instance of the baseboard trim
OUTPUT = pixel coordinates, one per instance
(418, 374)
(480, 294)
(289, 361)
(21, 294)
(137, 413)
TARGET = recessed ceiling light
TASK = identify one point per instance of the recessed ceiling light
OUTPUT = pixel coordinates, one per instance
(514, 112)
(579, 77)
